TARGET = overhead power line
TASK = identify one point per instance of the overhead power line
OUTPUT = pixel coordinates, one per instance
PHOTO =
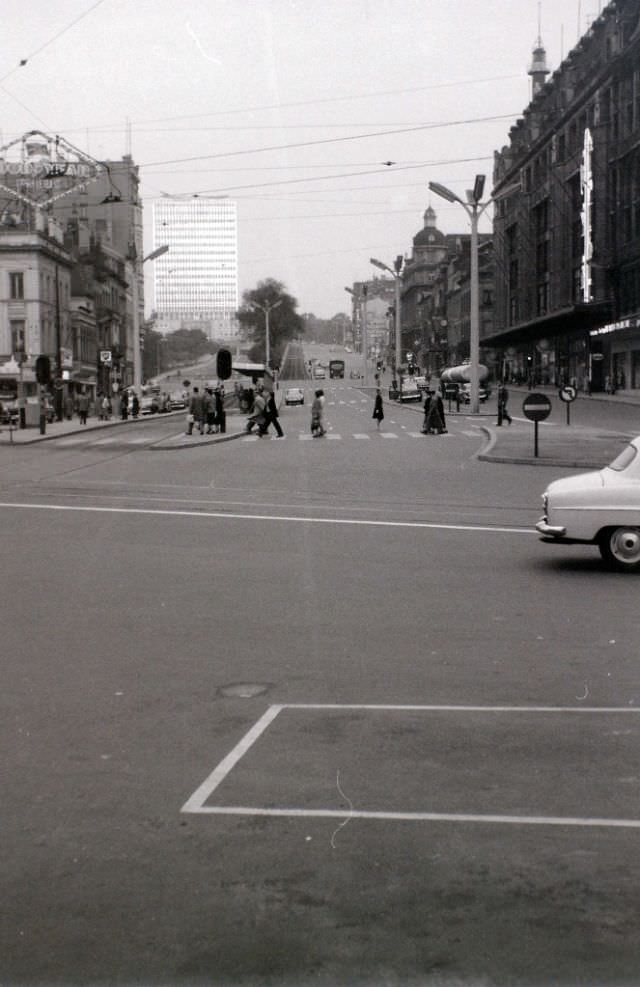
(318, 178)
(24, 61)
(332, 140)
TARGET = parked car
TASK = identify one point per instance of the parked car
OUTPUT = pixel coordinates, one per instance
(177, 401)
(598, 508)
(294, 395)
(9, 414)
(465, 393)
(319, 373)
(149, 404)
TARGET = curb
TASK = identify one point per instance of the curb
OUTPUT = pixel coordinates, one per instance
(92, 428)
(159, 447)
(485, 457)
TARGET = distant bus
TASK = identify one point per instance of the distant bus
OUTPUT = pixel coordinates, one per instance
(336, 368)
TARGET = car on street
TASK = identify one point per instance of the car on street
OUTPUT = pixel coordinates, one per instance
(177, 401)
(294, 395)
(600, 508)
(465, 393)
(149, 404)
(319, 373)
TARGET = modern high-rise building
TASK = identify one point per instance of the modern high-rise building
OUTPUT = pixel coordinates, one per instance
(196, 281)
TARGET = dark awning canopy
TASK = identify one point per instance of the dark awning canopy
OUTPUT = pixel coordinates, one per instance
(576, 319)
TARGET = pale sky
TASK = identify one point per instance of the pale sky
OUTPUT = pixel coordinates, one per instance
(202, 79)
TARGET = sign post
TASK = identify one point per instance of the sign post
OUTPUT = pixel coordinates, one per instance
(568, 394)
(536, 407)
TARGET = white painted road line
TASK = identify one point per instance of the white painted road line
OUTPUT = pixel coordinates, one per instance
(360, 435)
(292, 519)
(76, 441)
(105, 442)
(195, 803)
(388, 435)
(454, 817)
(415, 435)
(333, 435)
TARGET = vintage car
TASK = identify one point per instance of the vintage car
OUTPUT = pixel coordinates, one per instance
(294, 395)
(600, 508)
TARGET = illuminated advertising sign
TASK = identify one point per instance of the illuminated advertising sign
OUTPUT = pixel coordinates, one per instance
(38, 169)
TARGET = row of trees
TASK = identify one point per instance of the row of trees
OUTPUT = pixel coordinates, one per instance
(284, 321)
(184, 346)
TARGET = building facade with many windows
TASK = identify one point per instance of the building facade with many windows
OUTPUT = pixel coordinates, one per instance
(196, 281)
(567, 220)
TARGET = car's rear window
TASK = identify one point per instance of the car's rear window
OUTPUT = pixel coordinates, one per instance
(625, 458)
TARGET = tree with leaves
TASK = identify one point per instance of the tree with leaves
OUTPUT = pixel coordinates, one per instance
(284, 321)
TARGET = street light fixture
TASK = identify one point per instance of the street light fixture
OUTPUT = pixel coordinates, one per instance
(396, 274)
(358, 298)
(266, 309)
(137, 356)
(474, 208)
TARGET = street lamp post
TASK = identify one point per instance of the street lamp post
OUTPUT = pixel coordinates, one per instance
(474, 209)
(267, 341)
(360, 303)
(396, 274)
(137, 356)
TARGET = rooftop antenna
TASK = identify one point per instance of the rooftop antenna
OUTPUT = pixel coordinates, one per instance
(127, 147)
(579, 18)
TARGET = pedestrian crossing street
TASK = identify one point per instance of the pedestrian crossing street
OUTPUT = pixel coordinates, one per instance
(361, 436)
(122, 440)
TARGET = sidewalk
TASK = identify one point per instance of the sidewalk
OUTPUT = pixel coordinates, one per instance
(571, 446)
(236, 422)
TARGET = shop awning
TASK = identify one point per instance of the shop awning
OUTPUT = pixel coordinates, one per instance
(578, 318)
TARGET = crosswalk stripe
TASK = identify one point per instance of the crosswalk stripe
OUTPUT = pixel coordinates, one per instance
(333, 435)
(415, 435)
(388, 435)
(304, 437)
(138, 439)
(105, 442)
(71, 442)
(360, 435)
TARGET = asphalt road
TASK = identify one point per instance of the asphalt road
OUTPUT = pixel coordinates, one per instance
(311, 712)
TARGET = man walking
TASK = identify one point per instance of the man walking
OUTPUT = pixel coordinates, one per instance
(83, 407)
(271, 416)
(503, 397)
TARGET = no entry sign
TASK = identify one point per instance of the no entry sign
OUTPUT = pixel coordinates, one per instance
(536, 407)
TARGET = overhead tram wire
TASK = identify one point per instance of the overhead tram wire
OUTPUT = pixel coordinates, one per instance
(45, 44)
(316, 178)
(331, 140)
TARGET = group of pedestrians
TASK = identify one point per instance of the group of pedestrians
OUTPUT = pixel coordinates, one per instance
(206, 411)
(264, 413)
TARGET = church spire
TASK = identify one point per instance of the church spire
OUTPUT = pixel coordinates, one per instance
(538, 69)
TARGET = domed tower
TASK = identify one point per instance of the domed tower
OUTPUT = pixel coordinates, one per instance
(429, 236)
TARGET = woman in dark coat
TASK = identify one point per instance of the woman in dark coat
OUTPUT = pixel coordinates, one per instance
(378, 410)
(434, 415)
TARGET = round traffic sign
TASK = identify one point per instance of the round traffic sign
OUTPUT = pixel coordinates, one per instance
(567, 393)
(536, 407)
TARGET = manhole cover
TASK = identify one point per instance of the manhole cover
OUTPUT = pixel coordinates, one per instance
(243, 690)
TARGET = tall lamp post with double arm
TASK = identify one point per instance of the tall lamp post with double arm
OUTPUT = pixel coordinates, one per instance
(137, 354)
(267, 340)
(396, 273)
(474, 209)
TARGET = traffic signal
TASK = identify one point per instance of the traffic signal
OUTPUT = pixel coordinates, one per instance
(43, 369)
(223, 364)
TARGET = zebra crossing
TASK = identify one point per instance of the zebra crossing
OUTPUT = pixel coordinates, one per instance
(358, 436)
